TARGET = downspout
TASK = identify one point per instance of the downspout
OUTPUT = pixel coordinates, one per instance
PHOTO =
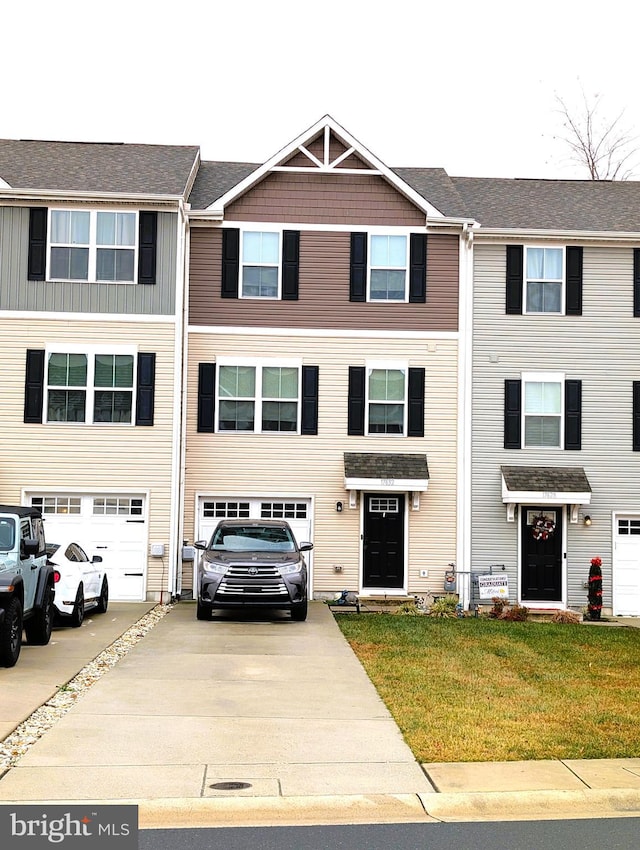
(175, 568)
(465, 422)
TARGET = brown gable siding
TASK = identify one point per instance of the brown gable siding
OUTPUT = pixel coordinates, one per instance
(324, 290)
(325, 199)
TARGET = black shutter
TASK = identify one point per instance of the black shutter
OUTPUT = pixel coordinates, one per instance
(309, 400)
(290, 264)
(34, 386)
(418, 268)
(636, 416)
(573, 415)
(415, 419)
(574, 281)
(206, 397)
(147, 246)
(37, 264)
(636, 282)
(230, 262)
(146, 388)
(512, 414)
(357, 378)
(358, 276)
(515, 273)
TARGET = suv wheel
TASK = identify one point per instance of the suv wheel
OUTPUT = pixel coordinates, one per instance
(203, 612)
(11, 633)
(299, 611)
(38, 627)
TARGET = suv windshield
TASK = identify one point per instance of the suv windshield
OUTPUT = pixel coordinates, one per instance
(252, 538)
(7, 534)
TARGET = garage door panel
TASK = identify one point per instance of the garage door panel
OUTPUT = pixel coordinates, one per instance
(111, 526)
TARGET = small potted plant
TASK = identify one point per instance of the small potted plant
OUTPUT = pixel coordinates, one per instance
(594, 608)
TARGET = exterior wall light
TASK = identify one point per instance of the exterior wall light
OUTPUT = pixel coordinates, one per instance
(587, 520)
(339, 507)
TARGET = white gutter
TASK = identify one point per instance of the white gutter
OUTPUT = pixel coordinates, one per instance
(65, 195)
(464, 447)
(177, 450)
(501, 234)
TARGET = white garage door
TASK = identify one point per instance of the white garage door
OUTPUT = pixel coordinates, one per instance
(297, 513)
(626, 567)
(113, 526)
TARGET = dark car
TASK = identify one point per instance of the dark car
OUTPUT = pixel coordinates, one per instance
(252, 564)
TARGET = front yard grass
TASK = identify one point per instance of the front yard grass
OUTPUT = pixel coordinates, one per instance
(487, 690)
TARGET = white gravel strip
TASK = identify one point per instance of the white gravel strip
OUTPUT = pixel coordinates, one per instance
(27, 733)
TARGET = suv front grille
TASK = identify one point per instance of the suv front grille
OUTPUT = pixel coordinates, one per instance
(250, 580)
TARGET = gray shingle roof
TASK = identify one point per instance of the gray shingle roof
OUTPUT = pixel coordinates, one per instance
(373, 465)
(551, 479)
(595, 205)
(216, 178)
(97, 167)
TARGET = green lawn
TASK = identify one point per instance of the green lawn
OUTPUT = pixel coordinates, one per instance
(486, 690)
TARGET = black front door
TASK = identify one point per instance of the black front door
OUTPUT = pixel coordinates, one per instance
(383, 540)
(541, 573)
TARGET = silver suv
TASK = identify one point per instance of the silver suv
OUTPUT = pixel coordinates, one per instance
(252, 564)
(26, 582)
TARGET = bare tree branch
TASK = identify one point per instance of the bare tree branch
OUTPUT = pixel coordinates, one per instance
(602, 146)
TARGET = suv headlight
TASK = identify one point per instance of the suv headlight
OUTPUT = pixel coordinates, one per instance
(214, 567)
(287, 569)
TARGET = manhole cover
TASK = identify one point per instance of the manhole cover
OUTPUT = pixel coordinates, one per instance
(230, 786)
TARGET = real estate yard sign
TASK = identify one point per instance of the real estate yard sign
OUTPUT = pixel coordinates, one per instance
(490, 586)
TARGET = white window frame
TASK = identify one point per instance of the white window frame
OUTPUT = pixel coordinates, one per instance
(260, 229)
(388, 365)
(371, 267)
(562, 282)
(92, 245)
(89, 388)
(259, 365)
(548, 378)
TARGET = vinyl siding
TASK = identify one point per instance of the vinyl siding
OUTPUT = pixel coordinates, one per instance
(325, 199)
(65, 457)
(17, 293)
(602, 348)
(312, 466)
(323, 300)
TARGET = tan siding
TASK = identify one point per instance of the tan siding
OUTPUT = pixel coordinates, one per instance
(268, 465)
(324, 289)
(61, 456)
(325, 199)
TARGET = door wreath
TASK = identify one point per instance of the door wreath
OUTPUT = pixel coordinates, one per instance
(542, 527)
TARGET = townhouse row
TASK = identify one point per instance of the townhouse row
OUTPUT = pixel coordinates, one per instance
(415, 370)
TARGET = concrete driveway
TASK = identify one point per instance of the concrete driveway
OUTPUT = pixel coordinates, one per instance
(41, 670)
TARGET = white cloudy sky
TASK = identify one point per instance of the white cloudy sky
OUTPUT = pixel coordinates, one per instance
(469, 87)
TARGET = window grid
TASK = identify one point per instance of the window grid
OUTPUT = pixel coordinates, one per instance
(283, 510)
(384, 505)
(57, 504)
(94, 246)
(226, 510)
(117, 506)
(628, 526)
(258, 399)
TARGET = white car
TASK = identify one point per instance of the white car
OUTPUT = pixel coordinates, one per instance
(80, 583)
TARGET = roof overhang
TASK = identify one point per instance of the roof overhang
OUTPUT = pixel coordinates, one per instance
(19, 196)
(546, 485)
(385, 473)
(510, 234)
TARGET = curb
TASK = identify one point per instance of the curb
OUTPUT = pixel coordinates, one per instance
(179, 813)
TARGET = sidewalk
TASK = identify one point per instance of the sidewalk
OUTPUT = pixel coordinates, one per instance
(275, 722)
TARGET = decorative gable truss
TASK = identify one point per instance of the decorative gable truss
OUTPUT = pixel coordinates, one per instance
(325, 148)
